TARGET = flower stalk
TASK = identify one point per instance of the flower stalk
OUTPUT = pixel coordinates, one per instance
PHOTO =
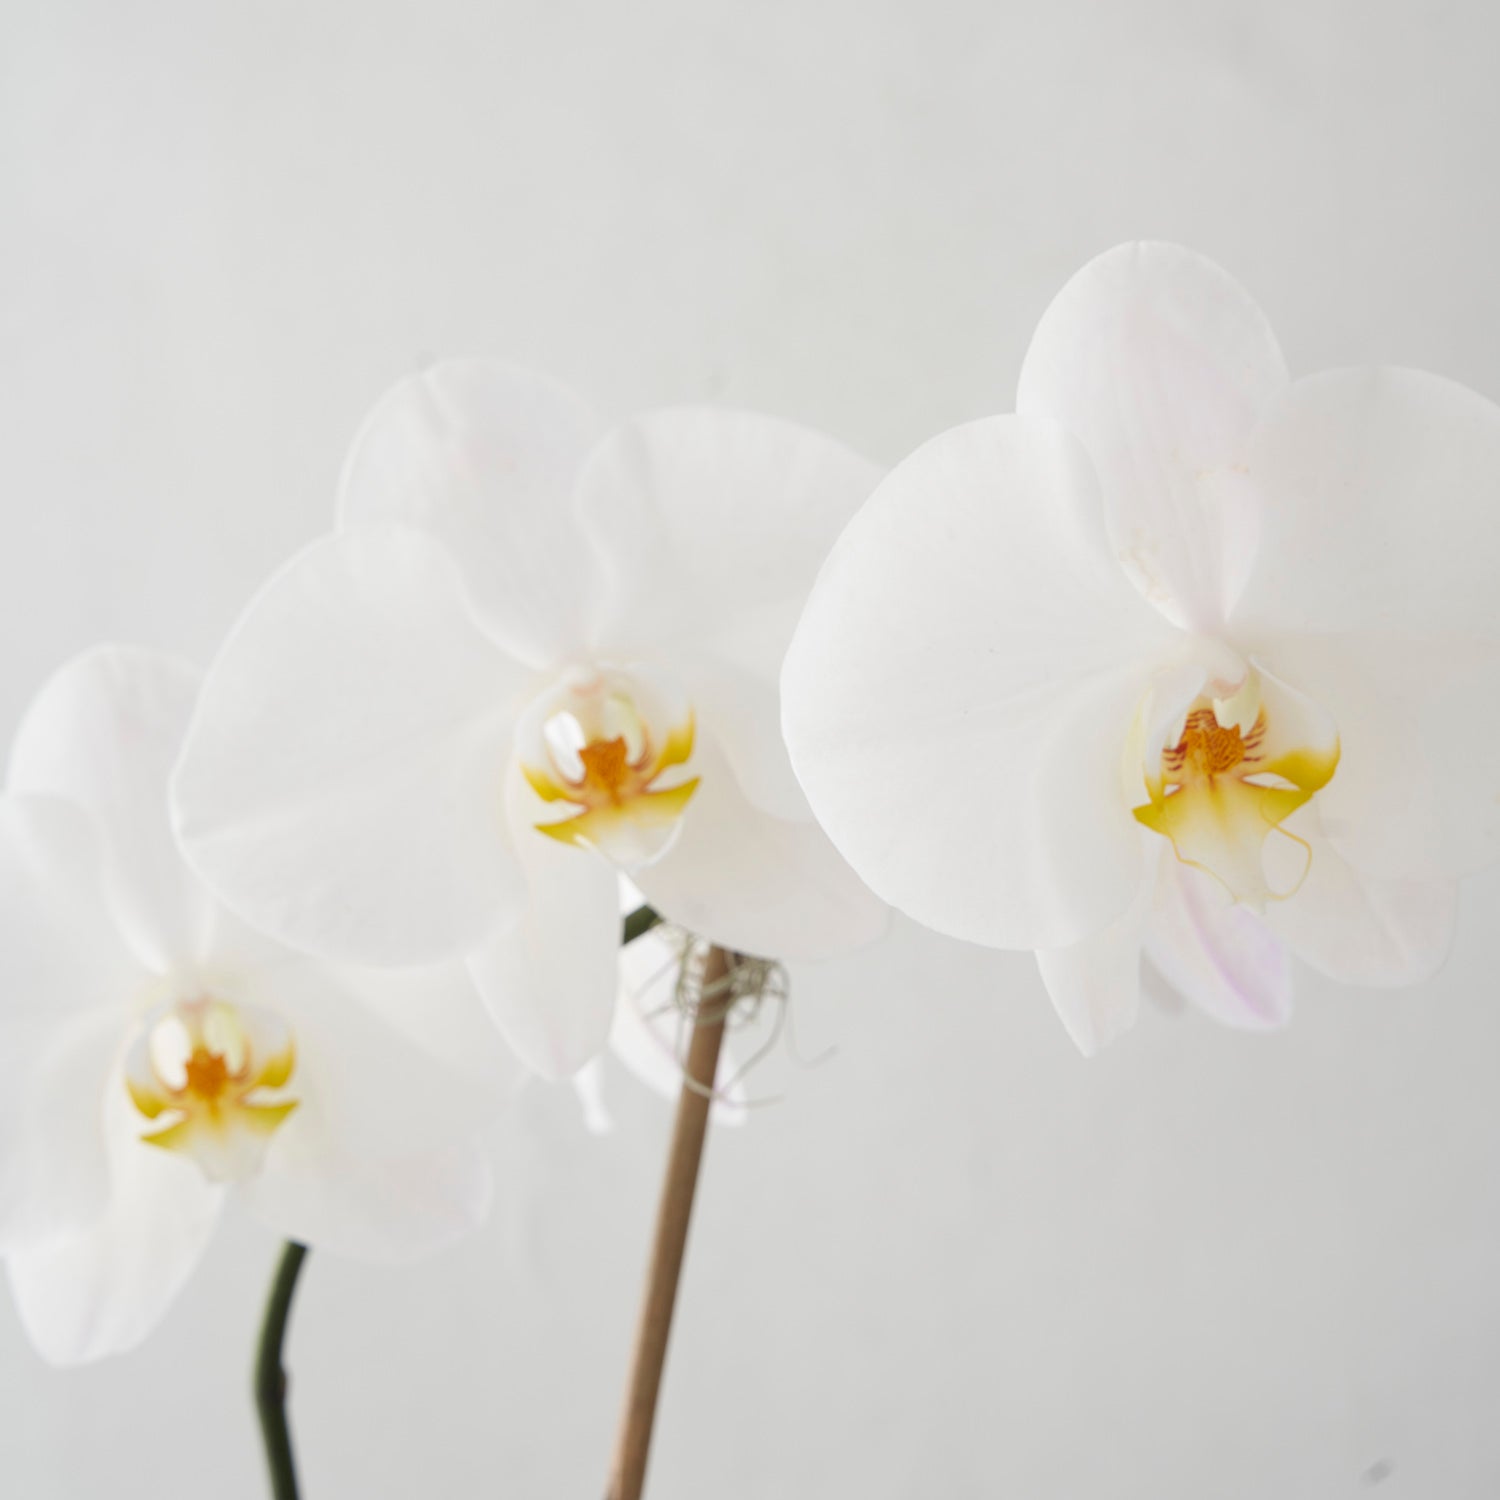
(271, 1376)
(632, 1446)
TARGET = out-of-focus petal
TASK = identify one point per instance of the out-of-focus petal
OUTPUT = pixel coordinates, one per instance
(1161, 364)
(484, 456)
(1360, 928)
(1417, 791)
(61, 953)
(960, 690)
(54, 1175)
(359, 1080)
(757, 884)
(381, 1158)
(340, 786)
(715, 524)
(102, 1290)
(436, 1009)
(548, 975)
(709, 516)
(1221, 956)
(104, 733)
(1095, 984)
(1375, 519)
(383, 1209)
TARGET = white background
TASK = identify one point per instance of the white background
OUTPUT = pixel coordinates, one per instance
(957, 1261)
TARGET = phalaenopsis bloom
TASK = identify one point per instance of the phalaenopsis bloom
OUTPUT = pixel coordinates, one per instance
(159, 1055)
(1185, 658)
(532, 657)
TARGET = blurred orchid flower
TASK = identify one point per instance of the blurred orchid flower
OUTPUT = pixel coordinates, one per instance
(1183, 658)
(161, 1056)
(530, 658)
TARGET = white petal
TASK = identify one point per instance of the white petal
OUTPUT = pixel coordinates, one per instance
(104, 733)
(1360, 928)
(365, 1087)
(740, 711)
(67, 980)
(1162, 364)
(436, 1009)
(340, 784)
(708, 515)
(715, 524)
(961, 687)
(381, 1159)
(1095, 984)
(387, 1210)
(484, 457)
(548, 976)
(758, 884)
(588, 1086)
(1417, 791)
(1373, 525)
(1221, 956)
(103, 1290)
(54, 1170)
(61, 952)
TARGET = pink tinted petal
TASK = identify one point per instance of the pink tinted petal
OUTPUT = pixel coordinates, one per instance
(548, 976)
(1221, 956)
(483, 457)
(1161, 364)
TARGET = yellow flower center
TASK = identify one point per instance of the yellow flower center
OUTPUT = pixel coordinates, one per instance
(1222, 790)
(210, 1077)
(602, 741)
(1208, 748)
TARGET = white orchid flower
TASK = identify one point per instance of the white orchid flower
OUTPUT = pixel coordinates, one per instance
(531, 657)
(160, 1056)
(1184, 657)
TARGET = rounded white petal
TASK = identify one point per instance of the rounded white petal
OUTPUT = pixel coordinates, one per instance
(758, 884)
(104, 733)
(715, 524)
(102, 1290)
(740, 711)
(54, 1170)
(61, 952)
(67, 978)
(1376, 521)
(548, 975)
(364, 1087)
(709, 516)
(960, 690)
(1161, 364)
(436, 1009)
(340, 785)
(484, 457)
(383, 1209)
(1361, 928)
(1416, 795)
(1219, 955)
(1095, 984)
(381, 1158)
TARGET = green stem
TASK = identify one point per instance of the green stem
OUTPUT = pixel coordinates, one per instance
(638, 924)
(271, 1377)
(270, 1373)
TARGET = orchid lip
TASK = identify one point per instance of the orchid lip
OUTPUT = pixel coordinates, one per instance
(211, 1077)
(1228, 777)
(602, 740)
